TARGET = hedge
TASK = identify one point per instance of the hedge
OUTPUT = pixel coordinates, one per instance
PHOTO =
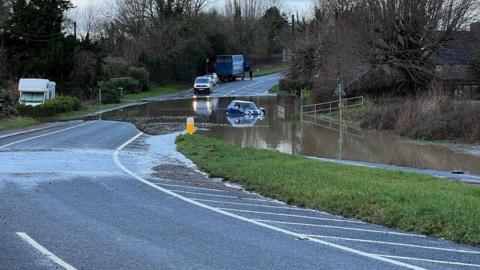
(51, 107)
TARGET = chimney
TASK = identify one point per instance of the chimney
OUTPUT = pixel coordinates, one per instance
(475, 27)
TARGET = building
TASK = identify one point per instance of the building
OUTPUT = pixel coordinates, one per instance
(452, 62)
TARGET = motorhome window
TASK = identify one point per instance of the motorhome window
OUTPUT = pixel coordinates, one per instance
(30, 97)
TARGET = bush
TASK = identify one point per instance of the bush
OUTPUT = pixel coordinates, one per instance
(110, 94)
(51, 107)
(142, 75)
(7, 104)
(129, 84)
(293, 86)
(431, 116)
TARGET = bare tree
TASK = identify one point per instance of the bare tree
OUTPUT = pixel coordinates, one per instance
(387, 42)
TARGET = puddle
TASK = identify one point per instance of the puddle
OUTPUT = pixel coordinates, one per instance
(283, 129)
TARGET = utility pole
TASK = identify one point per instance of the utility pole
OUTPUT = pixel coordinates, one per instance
(75, 31)
(74, 43)
(293, 26)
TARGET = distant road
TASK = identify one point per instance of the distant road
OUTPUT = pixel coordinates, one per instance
(81, 195)
(257, 86)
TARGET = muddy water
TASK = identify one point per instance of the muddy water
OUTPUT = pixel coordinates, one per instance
(285, 130)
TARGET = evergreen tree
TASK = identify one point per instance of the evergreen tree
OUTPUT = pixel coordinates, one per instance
(35, 43)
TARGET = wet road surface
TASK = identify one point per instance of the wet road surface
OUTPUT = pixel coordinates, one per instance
(257, 87)
(94, 207)
(100, 195)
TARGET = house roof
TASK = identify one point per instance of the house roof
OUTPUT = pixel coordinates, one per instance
(459, 48)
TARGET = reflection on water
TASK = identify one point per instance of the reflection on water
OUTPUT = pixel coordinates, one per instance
(285, 130)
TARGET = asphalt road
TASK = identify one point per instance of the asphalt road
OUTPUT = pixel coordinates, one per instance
(85, 195)
(257, 86)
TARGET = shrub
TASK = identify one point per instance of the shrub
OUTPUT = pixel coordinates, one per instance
(51, 107)
(142, 75)
(129, 84)
(293, 86)
(430, 116)
(7, 104)
(110, 94)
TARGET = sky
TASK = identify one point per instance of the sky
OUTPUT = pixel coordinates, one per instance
(301, 6)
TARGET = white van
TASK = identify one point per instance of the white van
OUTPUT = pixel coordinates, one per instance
(203, 85)
(34, 92)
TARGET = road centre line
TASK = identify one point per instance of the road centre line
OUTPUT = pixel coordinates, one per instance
(295, 216)
(241, 88)
(428, 260)
(45, 251)
(221, 196)
(116, 159)
(44, 135)
(394, 244)
(338, 227)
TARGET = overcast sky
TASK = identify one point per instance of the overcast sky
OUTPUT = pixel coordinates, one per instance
(301, 6)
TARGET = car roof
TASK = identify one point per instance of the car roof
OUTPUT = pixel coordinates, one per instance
(202, 77)
(242, 101)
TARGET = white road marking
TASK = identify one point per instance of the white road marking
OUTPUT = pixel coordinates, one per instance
(251, 221)
(44, 135)
(338, 227)
(254, 84)
(432, 261)
(257, 205)
(295, 216)
(221, 196)
(27, 131)
(394, 244)
(45, 251)
(190, 187)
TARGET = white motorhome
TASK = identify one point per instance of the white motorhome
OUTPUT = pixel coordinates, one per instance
(36, 91)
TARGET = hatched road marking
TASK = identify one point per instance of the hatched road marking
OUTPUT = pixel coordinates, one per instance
(116, 159)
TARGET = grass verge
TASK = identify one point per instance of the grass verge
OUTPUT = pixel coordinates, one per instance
(408, 201)
(275, 89)
(87, 108)
(268, 70)
(20, 122)
(156, 91)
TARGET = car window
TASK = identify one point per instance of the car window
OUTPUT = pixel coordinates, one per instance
(202, 81)
(249, 106)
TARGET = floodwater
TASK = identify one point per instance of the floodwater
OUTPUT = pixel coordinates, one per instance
(285, 130)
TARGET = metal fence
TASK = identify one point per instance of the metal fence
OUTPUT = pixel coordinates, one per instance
(332, 106)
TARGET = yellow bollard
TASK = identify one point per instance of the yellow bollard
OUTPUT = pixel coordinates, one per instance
(191, 125)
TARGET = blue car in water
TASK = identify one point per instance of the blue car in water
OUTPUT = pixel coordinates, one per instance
(247, 121)
(241, 108)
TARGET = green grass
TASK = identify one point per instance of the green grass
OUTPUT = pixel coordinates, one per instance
(275, 89)
(408, 201)
(88, 108)
(268, 70)
(20, 122)
(156, 91)
(347, 115)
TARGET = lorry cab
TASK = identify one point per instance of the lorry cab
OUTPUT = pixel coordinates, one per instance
(34, 92)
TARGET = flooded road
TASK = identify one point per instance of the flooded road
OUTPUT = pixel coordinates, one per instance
(283, 129)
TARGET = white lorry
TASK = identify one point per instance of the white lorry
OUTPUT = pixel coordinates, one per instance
(34, 92)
